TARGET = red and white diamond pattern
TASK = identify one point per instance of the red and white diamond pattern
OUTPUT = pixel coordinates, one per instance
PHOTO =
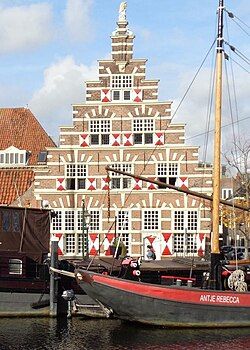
(137, 95)
(182, 182)
(201, 241)
(167, 250)
(84, 140)
(128, 139)
(105, 183)
(137, 184)
(107, 243)
(60, 243)
(60, 184)
(158, 138)
(93, 243)
(91, 184)
(115, 139)
(105, 95)
(150, 185)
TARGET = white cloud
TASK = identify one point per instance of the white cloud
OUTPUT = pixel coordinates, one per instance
(77, 19)
(25, 27)
(63, 85)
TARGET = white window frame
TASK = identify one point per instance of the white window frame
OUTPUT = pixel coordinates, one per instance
(121, 81)
(155, 216)
(119, 181)
(143, 128)
(186, 217)
(100, 129)
(70, 242)
(76, 173)
(123, 223)
(13, 157)
(185, 243)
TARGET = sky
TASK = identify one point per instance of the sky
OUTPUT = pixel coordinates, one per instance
(49, 48)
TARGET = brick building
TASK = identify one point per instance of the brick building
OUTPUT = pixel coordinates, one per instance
(122, 124)
(23, 144)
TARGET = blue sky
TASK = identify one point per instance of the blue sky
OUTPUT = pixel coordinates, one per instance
(48, 48)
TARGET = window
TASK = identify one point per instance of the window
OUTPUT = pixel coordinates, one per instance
(143, 131)
(12, 156)
(179, 242)
(167, 173)
(70, 243)
(185, 243)
(125, 237)
(123, 221)
(119, 95)
(191, 243)
(178, 220)
(42, 157)
(119, 180)
(116, 95)
(227, 193)
(76, 176)
(121, 81)
(57, 221)
(95, 220)
(121, 85)
(99, 132)
(192, 220)
(69, 220)
(80, 243)
(15, 267)
(185, 220)
(151, 220)
(126, 96)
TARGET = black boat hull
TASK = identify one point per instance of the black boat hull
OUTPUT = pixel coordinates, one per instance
(167, 306)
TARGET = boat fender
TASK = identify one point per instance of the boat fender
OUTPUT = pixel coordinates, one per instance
(136, 273)
(105, 273)
(133, 264)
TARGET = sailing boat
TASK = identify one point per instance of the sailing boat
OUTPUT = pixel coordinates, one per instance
(177, 306)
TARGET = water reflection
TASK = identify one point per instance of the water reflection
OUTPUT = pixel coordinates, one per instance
(78, 333)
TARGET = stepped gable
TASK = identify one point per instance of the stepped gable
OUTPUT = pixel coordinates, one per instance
(14, 183)
(123, 64)
(20, 128)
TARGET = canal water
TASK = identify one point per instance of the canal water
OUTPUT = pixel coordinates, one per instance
(94, 334)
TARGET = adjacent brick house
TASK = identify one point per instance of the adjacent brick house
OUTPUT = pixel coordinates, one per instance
(122, 124)
(22, 141)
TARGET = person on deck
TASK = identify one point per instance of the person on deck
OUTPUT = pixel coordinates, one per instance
(150, 253)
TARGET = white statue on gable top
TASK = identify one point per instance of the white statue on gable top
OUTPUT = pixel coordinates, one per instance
(122, 11)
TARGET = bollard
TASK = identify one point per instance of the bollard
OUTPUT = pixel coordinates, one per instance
(178, 283)
(53, 280)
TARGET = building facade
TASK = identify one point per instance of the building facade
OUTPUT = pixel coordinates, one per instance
(122, 124)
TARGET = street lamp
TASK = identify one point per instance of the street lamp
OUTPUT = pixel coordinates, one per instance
(86, 217)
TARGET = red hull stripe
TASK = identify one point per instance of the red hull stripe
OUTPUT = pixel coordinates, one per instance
(196, 296)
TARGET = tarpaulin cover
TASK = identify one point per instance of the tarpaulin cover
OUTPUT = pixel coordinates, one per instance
(25, 230)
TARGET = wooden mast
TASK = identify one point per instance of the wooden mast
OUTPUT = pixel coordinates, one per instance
(215, 250)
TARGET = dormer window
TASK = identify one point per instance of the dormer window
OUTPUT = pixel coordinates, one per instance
(13, 156)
